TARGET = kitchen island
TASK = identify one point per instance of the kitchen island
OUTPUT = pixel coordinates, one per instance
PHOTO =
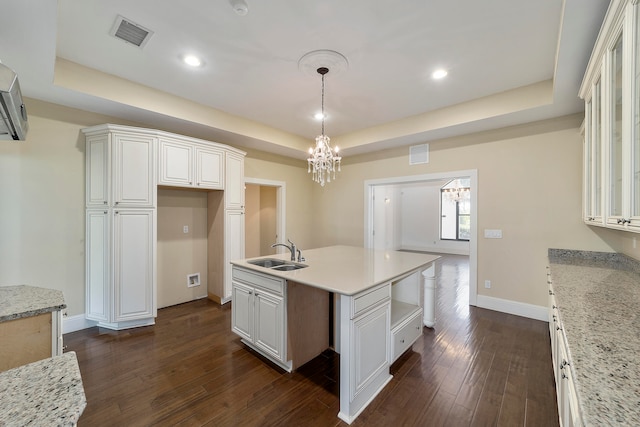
(283, 312)
(30, 324)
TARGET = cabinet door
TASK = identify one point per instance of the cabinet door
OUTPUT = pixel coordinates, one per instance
(242, 311)
(176, 163)
(370, 352)
(234, 183)
(233, 244)
(209, 168)
(97, 169)
(614, 109)
(134, 264)
(97, 265)
(133, 170)
(269, 323)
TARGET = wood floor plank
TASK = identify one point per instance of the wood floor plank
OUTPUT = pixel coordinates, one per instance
(475, 367)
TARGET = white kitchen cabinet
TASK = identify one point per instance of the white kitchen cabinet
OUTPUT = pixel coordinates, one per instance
(120, 226)
(120, 267)
(186, 163)
(120, 167)
(611, 93)
(124, 166)
(568, 409)
(234, 189)
(269, 323)
(134, 236)
(365, 353)
(233, 245)
(258, 314)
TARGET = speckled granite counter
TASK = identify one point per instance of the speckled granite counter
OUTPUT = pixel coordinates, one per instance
(24, 301)
(44, 393)
(598, 298)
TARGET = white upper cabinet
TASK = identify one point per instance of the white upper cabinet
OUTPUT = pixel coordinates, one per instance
(209, 168)
(234, 191)
(612, 129)
(185, 163)
(120, 168)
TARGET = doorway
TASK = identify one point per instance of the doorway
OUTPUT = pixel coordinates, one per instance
(264, 216)
(386, 223)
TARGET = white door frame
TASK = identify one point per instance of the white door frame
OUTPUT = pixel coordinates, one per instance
(281, 201)
(473, 243)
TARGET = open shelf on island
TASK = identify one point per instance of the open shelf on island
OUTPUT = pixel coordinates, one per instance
(401, 311)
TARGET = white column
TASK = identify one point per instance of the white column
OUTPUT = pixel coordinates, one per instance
(429, 285)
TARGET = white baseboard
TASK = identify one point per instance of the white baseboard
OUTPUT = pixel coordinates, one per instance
(435, 249)
(531, 311)
(76, 323)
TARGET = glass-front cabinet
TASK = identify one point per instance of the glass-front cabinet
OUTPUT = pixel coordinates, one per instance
(611, 91)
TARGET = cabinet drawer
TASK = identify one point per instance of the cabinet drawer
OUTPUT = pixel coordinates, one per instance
(405, 335)
(369, 299)
(264, 281)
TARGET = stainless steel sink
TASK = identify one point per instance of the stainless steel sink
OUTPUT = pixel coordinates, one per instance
(289, 267)
(276, 264)
(266, 262)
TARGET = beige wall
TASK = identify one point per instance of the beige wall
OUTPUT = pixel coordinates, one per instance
(529, 186)
(179, 253)
(299, 190)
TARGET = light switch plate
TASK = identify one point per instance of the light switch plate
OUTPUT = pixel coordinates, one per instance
(492, 234)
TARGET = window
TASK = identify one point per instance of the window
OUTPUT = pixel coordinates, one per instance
(455, 205)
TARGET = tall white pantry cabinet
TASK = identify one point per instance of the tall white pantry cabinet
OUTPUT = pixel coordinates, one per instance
(122, 169)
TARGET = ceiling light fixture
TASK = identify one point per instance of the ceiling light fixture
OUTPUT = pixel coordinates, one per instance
(240, 7)
(323, 159)
(439, 74)
(192, 60)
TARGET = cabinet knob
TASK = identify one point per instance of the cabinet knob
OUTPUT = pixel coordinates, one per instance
(117, 203)
(564, 377)
(250, 292)
(105, 212)
(105, 202)
(402, 341)
(558, 328)
(554, 307)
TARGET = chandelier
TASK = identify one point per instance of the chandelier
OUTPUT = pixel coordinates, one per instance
(457, 190)
(323, 159)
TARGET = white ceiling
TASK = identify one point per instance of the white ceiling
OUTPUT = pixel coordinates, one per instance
(384, 98)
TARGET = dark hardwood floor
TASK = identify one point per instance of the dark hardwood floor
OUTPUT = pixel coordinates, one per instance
(476, 367)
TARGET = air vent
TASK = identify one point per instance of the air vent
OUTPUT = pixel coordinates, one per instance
(419, 154)
(130, 32)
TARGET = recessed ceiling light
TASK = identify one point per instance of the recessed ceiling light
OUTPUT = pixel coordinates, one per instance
(438, 74)
(192, 60)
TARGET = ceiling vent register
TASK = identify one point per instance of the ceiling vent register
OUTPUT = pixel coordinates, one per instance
(130, 32)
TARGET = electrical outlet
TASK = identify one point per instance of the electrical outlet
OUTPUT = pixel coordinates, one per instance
(185, 229)
(487, 284)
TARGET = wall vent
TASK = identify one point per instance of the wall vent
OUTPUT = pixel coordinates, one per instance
(130, 32)
(419, 154)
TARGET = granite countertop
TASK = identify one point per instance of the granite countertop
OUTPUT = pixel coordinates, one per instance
(346, 270)
(598, 299)
(26, 301)
(44, 393)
